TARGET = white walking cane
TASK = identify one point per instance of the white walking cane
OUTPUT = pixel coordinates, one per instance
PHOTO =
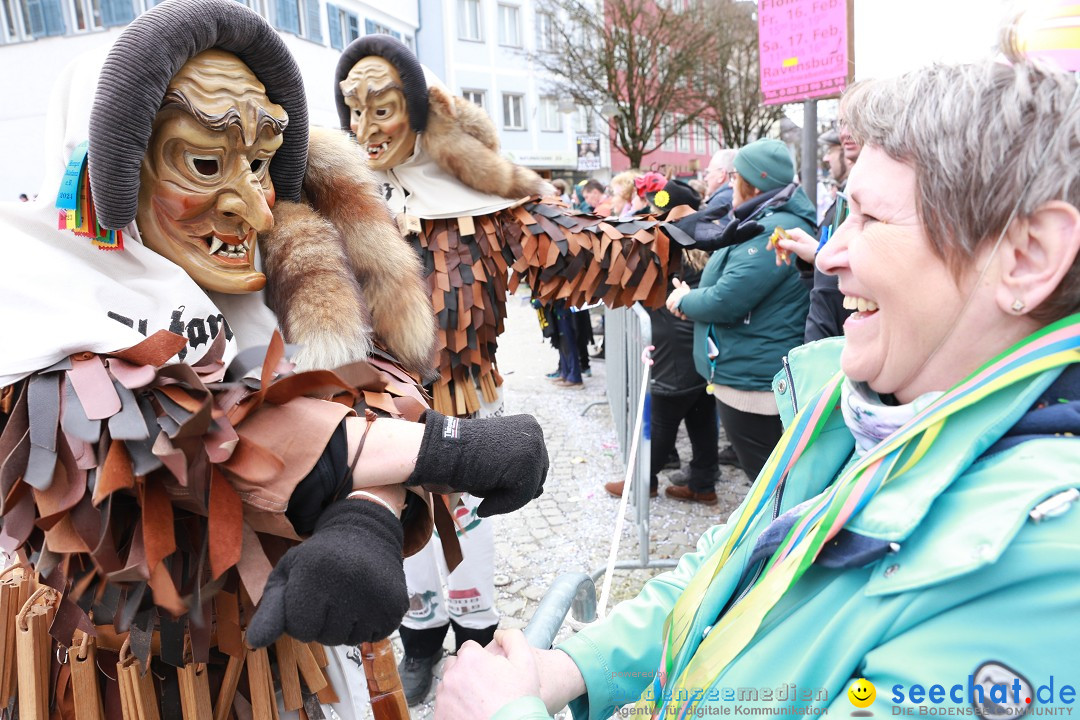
(647, 360)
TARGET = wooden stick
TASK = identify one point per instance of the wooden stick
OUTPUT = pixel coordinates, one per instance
(263, 702)
(384, 685)
(33, 652)
(84, 678)
(228, 687)
(142, 697)
(127, 695)
(319, 652)
(194, 692)
(15, 589)
(309, 668)
(291, 696)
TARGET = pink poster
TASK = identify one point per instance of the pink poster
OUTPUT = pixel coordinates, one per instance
(804, 49)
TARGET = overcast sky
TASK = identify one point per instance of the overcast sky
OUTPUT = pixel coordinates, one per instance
(892, 36)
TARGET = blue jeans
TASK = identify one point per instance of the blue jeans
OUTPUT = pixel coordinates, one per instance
(569, 363)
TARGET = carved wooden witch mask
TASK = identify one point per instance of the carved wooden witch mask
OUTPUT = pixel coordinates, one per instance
(205, 189)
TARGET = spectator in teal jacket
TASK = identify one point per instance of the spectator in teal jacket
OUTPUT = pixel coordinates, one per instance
(915, 532)
(747, 312)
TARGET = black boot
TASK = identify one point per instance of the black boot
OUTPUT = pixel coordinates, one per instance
(423, 649)
(482, 637)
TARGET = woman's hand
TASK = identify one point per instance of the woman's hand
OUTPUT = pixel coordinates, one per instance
(799, 242)
(480, 681)
(676, 296)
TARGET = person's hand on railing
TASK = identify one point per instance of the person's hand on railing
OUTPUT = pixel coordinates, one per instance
(480, 681)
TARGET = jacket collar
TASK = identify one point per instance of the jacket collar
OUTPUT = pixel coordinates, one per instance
(953, 478)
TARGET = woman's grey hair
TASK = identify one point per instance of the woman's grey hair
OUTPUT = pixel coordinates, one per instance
(980, 138)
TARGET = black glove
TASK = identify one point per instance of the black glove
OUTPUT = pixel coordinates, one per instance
(501, 459)
(342, 586)
(737, 232)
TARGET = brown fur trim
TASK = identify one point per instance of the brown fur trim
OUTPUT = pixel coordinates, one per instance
(309, 286)
(462, 140)
(343, 189)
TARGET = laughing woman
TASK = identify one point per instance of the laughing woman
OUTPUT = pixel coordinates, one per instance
(916, 525)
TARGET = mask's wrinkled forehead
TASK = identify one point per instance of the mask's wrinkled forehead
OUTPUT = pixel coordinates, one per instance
(369, 78)
(220, 91)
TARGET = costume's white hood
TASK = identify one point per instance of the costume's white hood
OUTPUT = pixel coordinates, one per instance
(61, 295)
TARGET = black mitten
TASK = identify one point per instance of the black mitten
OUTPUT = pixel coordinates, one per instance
(501, 459)
(342, 586)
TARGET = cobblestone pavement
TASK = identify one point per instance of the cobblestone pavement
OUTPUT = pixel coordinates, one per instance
(569, 527)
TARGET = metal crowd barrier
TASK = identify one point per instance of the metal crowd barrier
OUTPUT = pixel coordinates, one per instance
(627, 332)
(570, 592)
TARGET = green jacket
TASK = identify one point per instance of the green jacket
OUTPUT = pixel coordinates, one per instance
(972, 579)
(755, 309)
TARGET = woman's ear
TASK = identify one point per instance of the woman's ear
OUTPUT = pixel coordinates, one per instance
(1037, 254)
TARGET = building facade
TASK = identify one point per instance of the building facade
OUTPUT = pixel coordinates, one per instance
(40, 37)
(479, 49)
(686, 154)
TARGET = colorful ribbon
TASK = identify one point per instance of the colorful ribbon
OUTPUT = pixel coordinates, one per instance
(1054, 346)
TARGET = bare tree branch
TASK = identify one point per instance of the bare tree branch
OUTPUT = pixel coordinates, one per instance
(665, 64)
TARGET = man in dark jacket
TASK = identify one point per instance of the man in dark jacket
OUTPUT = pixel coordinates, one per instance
(827, 314)
(706, 225)
(718, 180)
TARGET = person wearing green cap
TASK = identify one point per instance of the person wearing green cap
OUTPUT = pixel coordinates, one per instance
(747, 312)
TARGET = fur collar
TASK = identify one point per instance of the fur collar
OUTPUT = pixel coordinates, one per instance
(462, 140)
(339, 275)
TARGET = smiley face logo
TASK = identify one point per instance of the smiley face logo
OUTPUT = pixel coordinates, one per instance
(862, 693)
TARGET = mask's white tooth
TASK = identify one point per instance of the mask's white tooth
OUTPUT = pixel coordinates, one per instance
(215, 244)
(862, 305)
(871, 305)
(849, 302)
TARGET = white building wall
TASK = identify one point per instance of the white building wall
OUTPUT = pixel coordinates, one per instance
(488, 66)
(30, 65)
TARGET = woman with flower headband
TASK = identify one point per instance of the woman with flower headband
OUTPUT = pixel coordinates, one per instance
(915, 524)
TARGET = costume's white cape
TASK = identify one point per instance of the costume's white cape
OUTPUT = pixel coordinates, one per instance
(421, 188)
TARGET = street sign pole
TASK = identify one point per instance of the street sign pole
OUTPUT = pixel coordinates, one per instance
(809, 150)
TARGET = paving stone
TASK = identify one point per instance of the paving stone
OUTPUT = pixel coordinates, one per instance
(512, 607)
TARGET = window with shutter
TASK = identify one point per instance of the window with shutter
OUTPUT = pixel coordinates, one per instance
(333, 26)
(116, 12)
(314, 21)
(11, 24)
(34, 15)
(287, 16)
(43, 17)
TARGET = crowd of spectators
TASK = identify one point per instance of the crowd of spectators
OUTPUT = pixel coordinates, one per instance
(734, 309)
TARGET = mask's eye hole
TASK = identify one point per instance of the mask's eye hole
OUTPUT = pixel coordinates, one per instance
(257, 165)
(382, 113)
(205, 166)
(357, 112)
